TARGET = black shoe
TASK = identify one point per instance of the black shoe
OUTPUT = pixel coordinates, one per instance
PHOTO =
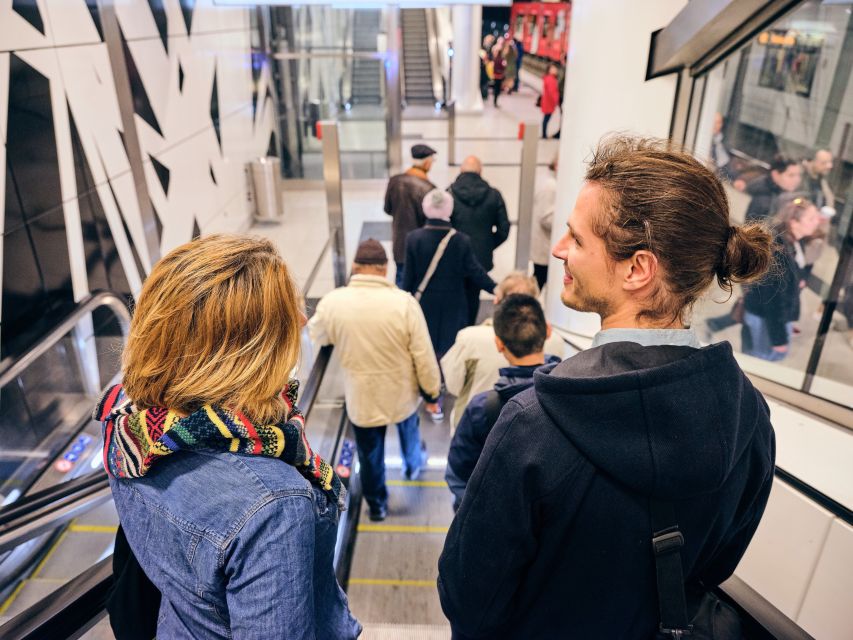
(378, 514)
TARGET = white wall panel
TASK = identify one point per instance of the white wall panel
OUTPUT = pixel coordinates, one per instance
(17, 33)
(782, 556)
(827, 612)
(71, 23)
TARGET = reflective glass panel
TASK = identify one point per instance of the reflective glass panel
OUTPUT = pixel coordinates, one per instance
(776, 123)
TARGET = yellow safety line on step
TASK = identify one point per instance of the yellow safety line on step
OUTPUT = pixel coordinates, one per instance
(93, 528)
(47, 556)
(392, 583)
(398, 528)
(417, 483)
(12, 597)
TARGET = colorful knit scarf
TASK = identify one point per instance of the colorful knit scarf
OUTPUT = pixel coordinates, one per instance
(134, 440)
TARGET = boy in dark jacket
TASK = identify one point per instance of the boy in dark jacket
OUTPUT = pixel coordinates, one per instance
(520, 334)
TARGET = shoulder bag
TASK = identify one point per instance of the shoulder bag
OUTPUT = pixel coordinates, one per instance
(709, 617)
(433, 265)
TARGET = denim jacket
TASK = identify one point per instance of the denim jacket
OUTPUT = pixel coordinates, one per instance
(239, 546)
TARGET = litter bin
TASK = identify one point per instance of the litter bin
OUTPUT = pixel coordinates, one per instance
(266, 183)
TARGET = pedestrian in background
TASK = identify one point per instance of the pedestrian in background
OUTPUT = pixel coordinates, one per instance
(543, 218)
(480, 213)
(510, 54)
(403, 202)
(773, 305)
(550, 97)
(499, 64)
(519, 48)
(438, 260)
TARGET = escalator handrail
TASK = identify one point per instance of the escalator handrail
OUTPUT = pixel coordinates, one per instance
(28, 505)
(69, 611)
(36, 522)
(88, 304)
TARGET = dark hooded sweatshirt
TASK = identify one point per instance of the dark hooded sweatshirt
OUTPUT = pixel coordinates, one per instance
(553, 537)
(479, 211)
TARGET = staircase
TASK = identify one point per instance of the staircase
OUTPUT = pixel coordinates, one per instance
(366, 74)
(416, 59)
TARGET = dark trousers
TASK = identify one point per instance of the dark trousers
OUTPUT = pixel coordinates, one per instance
(546, 118)
(398, 277)
(370, 442)
(472, 296)
(496, 89)
(540, 272)
(721, 322)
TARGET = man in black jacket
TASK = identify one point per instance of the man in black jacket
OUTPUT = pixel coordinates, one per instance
(553, 538)
(785, 176)
(478, 211)
(403, 198)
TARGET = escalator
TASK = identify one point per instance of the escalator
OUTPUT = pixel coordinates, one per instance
(417, 64)
(49, 439)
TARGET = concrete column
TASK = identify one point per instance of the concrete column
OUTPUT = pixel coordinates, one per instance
(605, 92)
(465, 88)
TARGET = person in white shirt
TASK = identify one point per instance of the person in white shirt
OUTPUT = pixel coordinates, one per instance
(540, 232)
(389, 365)
(472, 365)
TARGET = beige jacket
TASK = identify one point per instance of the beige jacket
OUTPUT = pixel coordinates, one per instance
(473, 364)
(383, 344)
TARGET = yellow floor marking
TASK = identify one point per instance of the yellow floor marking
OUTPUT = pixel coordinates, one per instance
(417, 483)
(47, 556)
(12, 597)
(392, 583)
(93, 528)
(398, 528)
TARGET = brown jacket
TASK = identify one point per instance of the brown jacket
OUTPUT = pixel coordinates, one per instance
(403, 200)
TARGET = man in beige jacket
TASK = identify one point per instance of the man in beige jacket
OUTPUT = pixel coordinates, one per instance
(472, 365)
(383, 344)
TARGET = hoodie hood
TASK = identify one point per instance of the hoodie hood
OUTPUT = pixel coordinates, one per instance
(470, 189)
(514, 380)
(666, 421)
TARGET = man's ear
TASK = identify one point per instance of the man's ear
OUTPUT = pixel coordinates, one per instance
(639, 271)
(500, 345)
(548, 330)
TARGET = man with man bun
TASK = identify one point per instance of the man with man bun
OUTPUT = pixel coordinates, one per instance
(642, 454)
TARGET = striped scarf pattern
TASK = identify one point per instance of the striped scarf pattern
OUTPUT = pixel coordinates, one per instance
(135, 439)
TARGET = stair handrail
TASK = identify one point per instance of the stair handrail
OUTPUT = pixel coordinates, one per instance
(436, 75)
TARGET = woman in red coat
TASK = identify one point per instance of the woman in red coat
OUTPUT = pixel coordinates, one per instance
(550, 99)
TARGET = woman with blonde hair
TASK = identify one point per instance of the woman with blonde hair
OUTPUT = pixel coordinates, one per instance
(229, 512)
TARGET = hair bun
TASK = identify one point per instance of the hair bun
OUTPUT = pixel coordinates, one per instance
(747, 256)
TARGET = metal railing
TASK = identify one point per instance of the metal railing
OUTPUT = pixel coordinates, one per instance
(439, 85)
(87, 305)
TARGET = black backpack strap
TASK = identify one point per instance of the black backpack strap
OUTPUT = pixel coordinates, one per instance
(493, 405)
(666, 543)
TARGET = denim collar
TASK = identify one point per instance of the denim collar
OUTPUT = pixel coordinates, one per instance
(648, 337)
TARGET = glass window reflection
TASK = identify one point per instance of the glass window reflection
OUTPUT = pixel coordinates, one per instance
(776, 124)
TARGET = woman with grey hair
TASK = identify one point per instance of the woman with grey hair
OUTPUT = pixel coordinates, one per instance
(438, 259)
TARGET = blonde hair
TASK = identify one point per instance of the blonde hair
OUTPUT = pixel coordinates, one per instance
(517, 282)
(217, 322)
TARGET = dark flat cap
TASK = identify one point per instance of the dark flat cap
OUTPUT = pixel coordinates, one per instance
(421, 151)
(371, 252)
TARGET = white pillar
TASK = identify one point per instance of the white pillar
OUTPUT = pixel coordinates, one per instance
(465, 87)
(605, 92)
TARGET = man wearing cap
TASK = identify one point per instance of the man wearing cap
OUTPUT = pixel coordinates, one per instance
(403, 200)
(384, 347)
